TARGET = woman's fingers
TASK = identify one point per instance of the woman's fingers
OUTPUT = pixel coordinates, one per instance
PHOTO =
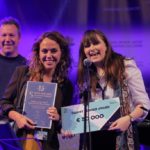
(53, 116)
(66, 134)
(25, 122)
(29, 123)
(53, 113)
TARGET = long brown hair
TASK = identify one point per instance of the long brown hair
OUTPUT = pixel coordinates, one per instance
(36, 69)
(113, 63)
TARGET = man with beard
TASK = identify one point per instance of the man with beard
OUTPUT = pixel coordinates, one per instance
(9, 56)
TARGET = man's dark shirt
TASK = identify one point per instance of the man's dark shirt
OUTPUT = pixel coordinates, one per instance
(7, 67)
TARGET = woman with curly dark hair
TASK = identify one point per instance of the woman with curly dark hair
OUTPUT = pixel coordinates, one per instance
(112, 75)
(50, 62)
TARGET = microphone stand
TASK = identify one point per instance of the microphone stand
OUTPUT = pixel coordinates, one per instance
(86, 99)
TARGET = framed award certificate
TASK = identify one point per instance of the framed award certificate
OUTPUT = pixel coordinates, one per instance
(100, 114)
(38, 97)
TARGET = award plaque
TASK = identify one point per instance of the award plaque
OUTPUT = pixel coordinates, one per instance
(100, 114)
(38, 97)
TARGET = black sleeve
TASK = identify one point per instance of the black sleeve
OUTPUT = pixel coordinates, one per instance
(67, 94)
(10, 94)
(67, 91)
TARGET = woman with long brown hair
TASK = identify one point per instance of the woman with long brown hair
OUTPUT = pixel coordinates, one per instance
(112, 75)
(50, 62)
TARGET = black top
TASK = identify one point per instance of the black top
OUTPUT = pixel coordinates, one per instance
(13, 97)
(7, 67)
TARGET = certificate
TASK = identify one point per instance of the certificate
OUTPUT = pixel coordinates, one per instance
(100, 114)
(38, 97)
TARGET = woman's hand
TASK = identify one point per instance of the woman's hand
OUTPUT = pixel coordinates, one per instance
(66, 134)
(121, 124)
(53, 113)
(25, 122)
(21, 120)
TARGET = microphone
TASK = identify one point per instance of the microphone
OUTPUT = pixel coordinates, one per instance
(87, 62)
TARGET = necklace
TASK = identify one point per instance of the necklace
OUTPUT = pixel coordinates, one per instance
(100, 74)
(101, 80)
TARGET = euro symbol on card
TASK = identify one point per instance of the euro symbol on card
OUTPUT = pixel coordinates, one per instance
(78, 119)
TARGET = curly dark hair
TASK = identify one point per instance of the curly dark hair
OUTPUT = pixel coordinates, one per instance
(113, 63)
(36, 69)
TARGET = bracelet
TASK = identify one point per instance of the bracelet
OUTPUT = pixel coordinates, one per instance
(131, 118)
